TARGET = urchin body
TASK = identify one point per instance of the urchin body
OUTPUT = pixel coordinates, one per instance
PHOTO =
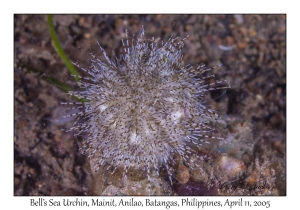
(143, 107)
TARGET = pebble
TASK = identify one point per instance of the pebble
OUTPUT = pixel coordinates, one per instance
(183, 174)
(230, 167)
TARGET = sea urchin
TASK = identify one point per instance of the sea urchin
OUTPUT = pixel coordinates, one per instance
(143, 107)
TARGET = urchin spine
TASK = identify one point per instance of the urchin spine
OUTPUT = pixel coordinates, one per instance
(143, 107)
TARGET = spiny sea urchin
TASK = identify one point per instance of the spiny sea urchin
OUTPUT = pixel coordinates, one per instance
(143, 107)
